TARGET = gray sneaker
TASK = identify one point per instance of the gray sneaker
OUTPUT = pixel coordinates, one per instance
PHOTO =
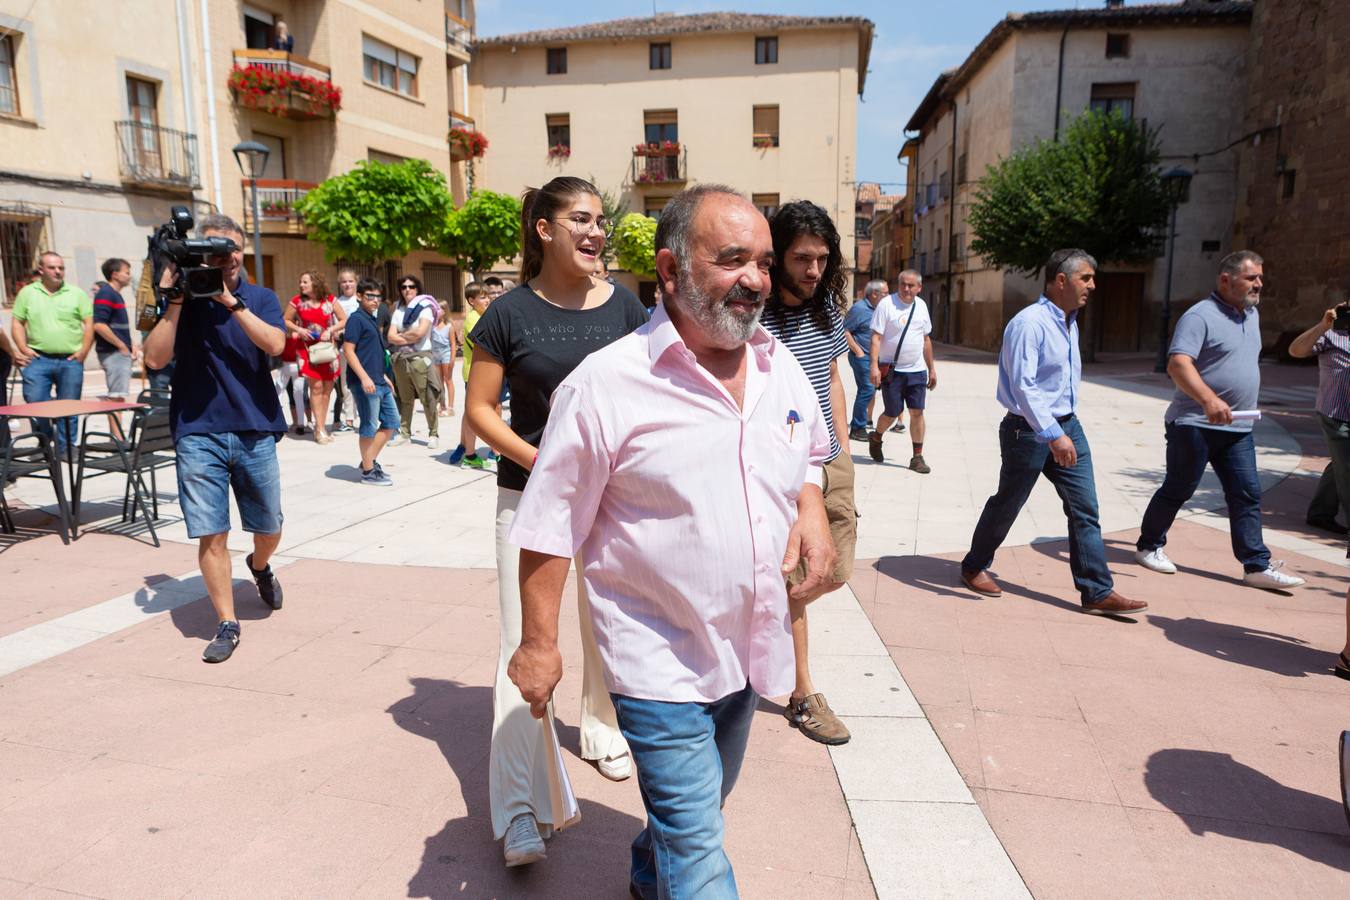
(523, 845)
(376, 476)
(226, 639)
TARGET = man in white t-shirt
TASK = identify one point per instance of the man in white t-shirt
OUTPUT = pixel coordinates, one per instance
(902, 364)
(409, 341)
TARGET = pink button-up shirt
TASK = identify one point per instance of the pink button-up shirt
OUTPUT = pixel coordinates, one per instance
(680, 503)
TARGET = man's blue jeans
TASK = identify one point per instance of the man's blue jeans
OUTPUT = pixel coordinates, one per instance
(1233, 456)
(862, 375)
(1024, 460)
(688, 756)
(66, 376)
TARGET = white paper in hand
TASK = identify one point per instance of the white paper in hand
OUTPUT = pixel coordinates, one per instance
(561, 798)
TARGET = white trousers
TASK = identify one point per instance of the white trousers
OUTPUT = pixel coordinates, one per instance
(520, 761)
(288, 375)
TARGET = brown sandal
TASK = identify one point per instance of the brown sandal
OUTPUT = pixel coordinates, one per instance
(1342, 668)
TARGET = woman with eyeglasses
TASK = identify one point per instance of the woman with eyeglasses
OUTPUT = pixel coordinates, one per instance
(312, 317)
(532, 337)
(415, 375)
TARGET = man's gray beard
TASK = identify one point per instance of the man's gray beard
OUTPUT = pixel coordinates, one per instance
(724, 329)
(1250, 302)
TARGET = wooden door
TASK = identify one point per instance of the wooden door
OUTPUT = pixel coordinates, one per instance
(1117, 304)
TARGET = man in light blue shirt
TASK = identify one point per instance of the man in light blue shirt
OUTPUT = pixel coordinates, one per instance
(858, 333)
(1039, 370)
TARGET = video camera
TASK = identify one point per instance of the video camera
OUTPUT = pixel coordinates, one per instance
(170, 244)
(1342, 323)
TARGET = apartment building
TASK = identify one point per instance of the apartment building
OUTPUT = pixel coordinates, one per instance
(1179, 67)
(111, 113)
(647, 106)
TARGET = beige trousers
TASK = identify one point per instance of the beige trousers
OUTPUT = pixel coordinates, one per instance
(520, 760)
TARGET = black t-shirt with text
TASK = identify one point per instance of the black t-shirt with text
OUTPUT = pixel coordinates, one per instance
(539, 345)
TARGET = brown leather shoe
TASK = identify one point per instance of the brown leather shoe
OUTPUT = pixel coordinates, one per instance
(1114, 605)
(814, 718)
(981, 583)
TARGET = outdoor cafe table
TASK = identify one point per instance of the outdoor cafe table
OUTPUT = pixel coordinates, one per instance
(66, 409)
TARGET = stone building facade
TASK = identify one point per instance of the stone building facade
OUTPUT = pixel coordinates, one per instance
(1294, 172)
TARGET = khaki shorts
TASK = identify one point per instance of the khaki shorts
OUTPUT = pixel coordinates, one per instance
(837, 484)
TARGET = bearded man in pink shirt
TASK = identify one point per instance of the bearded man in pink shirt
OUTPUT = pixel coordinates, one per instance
(683, 464)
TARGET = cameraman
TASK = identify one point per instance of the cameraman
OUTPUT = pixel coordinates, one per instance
(226, 421)
(1331, 345)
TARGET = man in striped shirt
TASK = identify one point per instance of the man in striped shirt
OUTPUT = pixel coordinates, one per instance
(803, 313)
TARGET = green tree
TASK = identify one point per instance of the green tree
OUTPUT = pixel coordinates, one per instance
(377, 211)
(485, 230)
(635, 244)
(1099, 188)
(613, 208)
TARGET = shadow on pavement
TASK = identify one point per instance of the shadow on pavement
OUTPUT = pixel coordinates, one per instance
(197, 619)
(1281, 654)
(344, 473)
(1198, 784)
(942, 577)
(463, 859)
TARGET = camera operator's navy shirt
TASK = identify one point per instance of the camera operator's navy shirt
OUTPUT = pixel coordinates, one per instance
(1226, 346)
(364, 334)
(223, 381)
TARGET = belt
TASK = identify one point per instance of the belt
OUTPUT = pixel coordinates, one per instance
(1016, 419)
(46, 355)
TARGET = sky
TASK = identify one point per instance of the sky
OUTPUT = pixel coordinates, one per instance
(913, 43)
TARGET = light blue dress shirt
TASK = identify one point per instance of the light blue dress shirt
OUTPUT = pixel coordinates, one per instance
(1040, 367)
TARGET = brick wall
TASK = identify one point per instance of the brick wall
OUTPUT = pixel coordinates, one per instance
(1299, 98)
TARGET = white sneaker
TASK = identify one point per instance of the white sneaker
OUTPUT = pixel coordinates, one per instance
(617, 768)
(434, 443)
(523, 844)
(1155, 561)
(1272, 579)
(398, 440)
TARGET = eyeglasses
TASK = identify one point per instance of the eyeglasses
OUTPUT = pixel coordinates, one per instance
(580, 224)
(373, 295)
(407, 287)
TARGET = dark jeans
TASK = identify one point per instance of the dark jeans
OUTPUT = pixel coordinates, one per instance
(1024, 460)
(1233, 456)
(161, 379)
(46, 375)
(1333, 491)
(862, 375)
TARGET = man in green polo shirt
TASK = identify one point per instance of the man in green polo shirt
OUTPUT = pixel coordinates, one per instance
(53, 331)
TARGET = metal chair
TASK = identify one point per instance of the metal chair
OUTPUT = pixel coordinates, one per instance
(37, 461)
(147, 450)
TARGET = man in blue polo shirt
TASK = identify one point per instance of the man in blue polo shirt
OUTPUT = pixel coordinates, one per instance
(226, 421)
(1214, 360)
(858, 333)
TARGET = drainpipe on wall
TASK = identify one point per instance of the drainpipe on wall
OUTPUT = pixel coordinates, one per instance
(185, 69)
(951, 225)
(1059, 81)
(208, 78)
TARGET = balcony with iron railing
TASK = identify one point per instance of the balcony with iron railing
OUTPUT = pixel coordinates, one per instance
(160, 157)
(276, 201)
(284, 84)
(665, 163)
(458, 38)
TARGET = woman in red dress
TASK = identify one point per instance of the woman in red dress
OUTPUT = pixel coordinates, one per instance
(312, 316)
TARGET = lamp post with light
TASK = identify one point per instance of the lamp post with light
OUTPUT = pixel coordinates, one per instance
(1177, 185)
(255, 155)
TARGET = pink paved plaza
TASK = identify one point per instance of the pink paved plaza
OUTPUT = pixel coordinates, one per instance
(342, 751)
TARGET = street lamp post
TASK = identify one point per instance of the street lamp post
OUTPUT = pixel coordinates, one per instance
(255, 154)
(1177, 185)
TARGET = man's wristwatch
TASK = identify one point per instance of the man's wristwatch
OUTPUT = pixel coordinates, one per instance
(238, 307)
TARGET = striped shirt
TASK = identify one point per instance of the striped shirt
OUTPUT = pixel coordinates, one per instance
(814, 350)
(1333, 375)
